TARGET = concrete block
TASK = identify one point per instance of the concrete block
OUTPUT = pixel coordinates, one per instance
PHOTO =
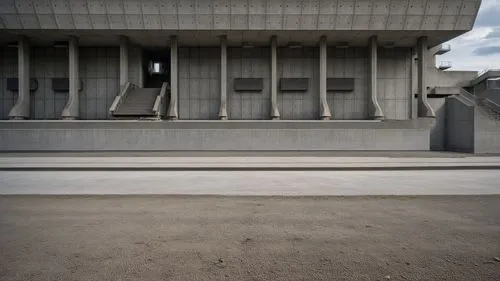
(256, 22)
(169, 21)
(187, 21)
(308, 22)
(469, 8)
(326, 22)
(99, 21)
(65, 22)
(96, 7)
(451, 7)
(447, 22)
(132, 7)
(464, 23)
(204, 21)
(343, 22)
(239, 21)
(222, 22)
(274, 22)
(11, 21)
(114, 7)
(76, 6)
(152, 22)
(134, 21)
(378, 22)
(430, 23)
(345, 7)
(361, 22)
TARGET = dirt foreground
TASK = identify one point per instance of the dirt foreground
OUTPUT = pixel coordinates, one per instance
(249, 238)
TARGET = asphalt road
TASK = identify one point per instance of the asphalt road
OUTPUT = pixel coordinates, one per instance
(426, 182)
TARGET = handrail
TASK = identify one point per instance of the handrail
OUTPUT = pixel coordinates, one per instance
(119, 98)
(159, 105)
(472, 98)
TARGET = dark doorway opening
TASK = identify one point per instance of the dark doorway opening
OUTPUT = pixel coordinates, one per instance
(157, 67)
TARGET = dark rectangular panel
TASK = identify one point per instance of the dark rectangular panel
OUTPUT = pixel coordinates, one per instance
(61, 85)
(340, 84)
(294, 84)
(13, 84)
(248, 84)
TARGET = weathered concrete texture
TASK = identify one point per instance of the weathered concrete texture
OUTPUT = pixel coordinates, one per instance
(249, 238)
(486, 132)
(249, 63)
(21, 108)
(459, 125)
(199, 83)
(438, 129)
(432, 15)
(402, 135)
(471, 128)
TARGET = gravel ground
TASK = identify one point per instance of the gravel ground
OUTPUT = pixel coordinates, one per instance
(249, 238)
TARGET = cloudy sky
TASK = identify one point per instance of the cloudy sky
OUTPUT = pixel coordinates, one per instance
(478, 49)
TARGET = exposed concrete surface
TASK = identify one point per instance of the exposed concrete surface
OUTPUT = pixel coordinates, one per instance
(264, 163)
(292, 183)
(225, 238)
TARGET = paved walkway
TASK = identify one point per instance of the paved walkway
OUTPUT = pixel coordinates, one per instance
(246, 163)
(261, 183)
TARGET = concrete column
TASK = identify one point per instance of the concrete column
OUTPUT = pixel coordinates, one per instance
(21, 109)
(375, 109)
(124, 47)
(275, 114)
(423, 107)
(324, 109)
(223, 78)
(174, 88)
(71, 110)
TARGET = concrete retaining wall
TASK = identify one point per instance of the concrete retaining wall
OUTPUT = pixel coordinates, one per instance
(143, 136)
(459, 126)
(486, 133)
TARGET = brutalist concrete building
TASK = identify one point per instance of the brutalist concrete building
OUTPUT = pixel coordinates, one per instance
(240, 75)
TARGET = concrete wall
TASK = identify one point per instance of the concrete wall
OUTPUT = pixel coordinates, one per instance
(438, 128)
(459, 125)
(299, 63)
(249, 63)
(199, 83)
(487, 132)
(349, 63)
(8, 68)
(216, 135)
(98, 70)
(394, 82)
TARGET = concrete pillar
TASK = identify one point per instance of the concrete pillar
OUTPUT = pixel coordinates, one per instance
(223, 78)
(124, 47)
(275, 114)
(71, 110)
(172, 112)
(375, 109)
(423, 107)
(21, 109)
(324, 109)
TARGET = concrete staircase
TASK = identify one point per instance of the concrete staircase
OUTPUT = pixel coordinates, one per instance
(138, 103)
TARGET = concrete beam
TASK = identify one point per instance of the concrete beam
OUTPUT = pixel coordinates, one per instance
(172, 112)
(21, 109)
(375, 109)
(324, 109)
(275, 114)
(124, 47)
(223, 78)
(71, 109)
(423, 107)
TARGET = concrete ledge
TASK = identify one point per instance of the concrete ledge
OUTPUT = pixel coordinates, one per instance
(245, 163)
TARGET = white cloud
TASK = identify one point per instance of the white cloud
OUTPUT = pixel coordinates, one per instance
(464, 55)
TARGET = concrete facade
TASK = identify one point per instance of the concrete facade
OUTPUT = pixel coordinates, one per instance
(358, 60)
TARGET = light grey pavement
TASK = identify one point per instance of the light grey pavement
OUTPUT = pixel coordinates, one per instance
(288, 183)
(240, 162)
